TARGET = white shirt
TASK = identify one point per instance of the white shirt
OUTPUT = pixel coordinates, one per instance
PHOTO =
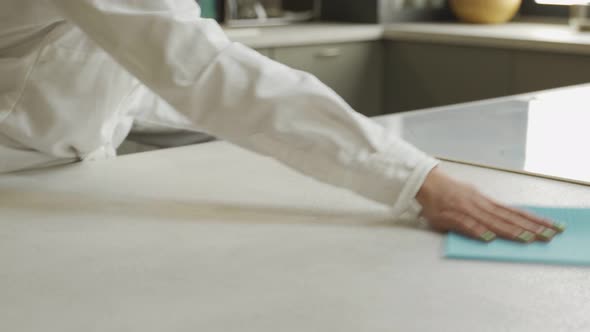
(76, 74)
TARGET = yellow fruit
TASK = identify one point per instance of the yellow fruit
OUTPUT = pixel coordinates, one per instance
(485, 11)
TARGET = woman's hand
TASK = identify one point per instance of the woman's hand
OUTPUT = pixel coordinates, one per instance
(449, 205)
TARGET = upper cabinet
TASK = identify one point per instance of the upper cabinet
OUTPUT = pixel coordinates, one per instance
(353, 70)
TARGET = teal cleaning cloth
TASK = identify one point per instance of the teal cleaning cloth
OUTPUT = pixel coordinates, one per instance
(572, 247)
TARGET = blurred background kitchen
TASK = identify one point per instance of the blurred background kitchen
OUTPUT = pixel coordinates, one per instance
(388, 56)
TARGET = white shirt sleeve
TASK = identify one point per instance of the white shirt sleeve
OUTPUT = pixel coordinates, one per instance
(236, 94)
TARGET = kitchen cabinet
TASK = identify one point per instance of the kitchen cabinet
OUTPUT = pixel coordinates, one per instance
(129, 147)
(353, 70)
(539, 70)
(421, 75)
(264, 51)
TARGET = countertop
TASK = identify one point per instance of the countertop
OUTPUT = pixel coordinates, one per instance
(305, 34)
(530, 36)
(214, 238)
(519, 35)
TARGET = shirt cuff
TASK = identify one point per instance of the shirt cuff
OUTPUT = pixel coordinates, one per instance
(406, 206)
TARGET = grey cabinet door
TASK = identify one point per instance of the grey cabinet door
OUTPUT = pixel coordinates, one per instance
(264, 51)
(538, 70)
(420, 75)
(353, 70)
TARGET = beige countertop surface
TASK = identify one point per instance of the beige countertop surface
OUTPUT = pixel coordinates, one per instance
(528, 36)
(214, 238)
(305, 34)
(519, 35)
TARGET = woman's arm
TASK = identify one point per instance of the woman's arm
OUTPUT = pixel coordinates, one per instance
(236, 94)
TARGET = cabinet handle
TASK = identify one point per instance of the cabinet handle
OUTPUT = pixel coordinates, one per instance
(329, 53)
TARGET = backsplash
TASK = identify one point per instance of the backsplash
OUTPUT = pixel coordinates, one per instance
(531, 8)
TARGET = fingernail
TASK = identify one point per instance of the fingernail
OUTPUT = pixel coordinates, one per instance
(560, 226)
(487, 236)
(526, 237)
(547, 234)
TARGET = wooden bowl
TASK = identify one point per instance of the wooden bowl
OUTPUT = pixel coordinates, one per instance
(485, 11)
